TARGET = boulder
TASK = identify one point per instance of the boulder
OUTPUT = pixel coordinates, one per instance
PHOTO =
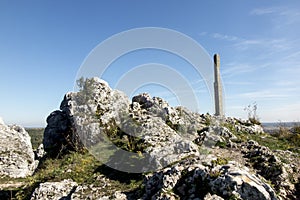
(16, 154)
(191, 179)
(270, 167)
(54, 190)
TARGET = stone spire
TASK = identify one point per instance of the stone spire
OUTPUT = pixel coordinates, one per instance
(218, 87)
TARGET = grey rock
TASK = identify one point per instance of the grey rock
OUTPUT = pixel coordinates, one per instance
(54, 190)
(190, 179)
(77, 124)
(40, 152)
(212, 197)
(270, 167)
(84, 116)
(16, 154)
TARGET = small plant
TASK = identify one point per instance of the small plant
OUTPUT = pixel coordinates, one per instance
(215, 174)
(175, 127)
(86, 88)
(219, 161)
(251, 109)
(221, 144)
(36, 135)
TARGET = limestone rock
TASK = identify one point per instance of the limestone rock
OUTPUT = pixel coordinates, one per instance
(212, 197)
(85, 115)
(171, 138)
(190, 179)
(54, 190)
(77, 124)
(16, 154)
(40, 152)
(165, 144)
(270, 167)
(58, 135)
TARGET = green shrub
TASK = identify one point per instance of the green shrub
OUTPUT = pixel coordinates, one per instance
(36, 135)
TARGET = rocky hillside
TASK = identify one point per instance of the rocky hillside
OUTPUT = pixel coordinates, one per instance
(101, 145)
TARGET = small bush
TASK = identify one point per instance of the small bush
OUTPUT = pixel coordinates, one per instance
(36, 135)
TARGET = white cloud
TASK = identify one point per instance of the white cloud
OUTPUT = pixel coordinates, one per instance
(264, 94)
(224, 37)
(233, 69)
(268, 45)
(279, 11)
(264, 11)
(203, 33)
(238, 83)
(281, 16)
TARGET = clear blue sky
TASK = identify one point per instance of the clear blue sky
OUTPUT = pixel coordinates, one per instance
(43, 44)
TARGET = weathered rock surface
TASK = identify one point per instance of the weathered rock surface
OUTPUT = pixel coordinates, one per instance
(192, 179)
(16, 154)
(86, 115)
(270, 167)
(54, 190)
(245, 126)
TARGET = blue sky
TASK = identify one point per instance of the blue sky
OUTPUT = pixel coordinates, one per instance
(43, 44)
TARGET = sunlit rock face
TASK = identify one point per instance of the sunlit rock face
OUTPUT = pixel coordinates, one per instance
(85, 115)
(16, 154)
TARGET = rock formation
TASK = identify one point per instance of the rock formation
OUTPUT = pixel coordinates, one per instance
(85, 115)
(190, 179)
(16, 154)
(175, 153)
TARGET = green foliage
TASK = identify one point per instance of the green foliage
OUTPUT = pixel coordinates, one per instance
(283, 139)
(86, 88)
(36, 135)
(296, 128)
(215, 174)
(82, 168)
(254, 120)
(124, 140)
(219, 161)
(75, 166)
(221, 144)
(175, 127)
(207, 119)
(290, 137)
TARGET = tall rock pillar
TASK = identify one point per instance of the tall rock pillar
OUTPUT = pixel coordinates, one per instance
(218, 87)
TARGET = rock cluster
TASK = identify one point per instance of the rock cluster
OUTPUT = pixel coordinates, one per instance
(270, 167)
(191, 179)
(171, 139)
(84, 117)
(178, 154)
(16, 154)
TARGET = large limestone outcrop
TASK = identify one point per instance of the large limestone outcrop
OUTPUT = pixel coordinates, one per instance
(96, 109)
(16, 154)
